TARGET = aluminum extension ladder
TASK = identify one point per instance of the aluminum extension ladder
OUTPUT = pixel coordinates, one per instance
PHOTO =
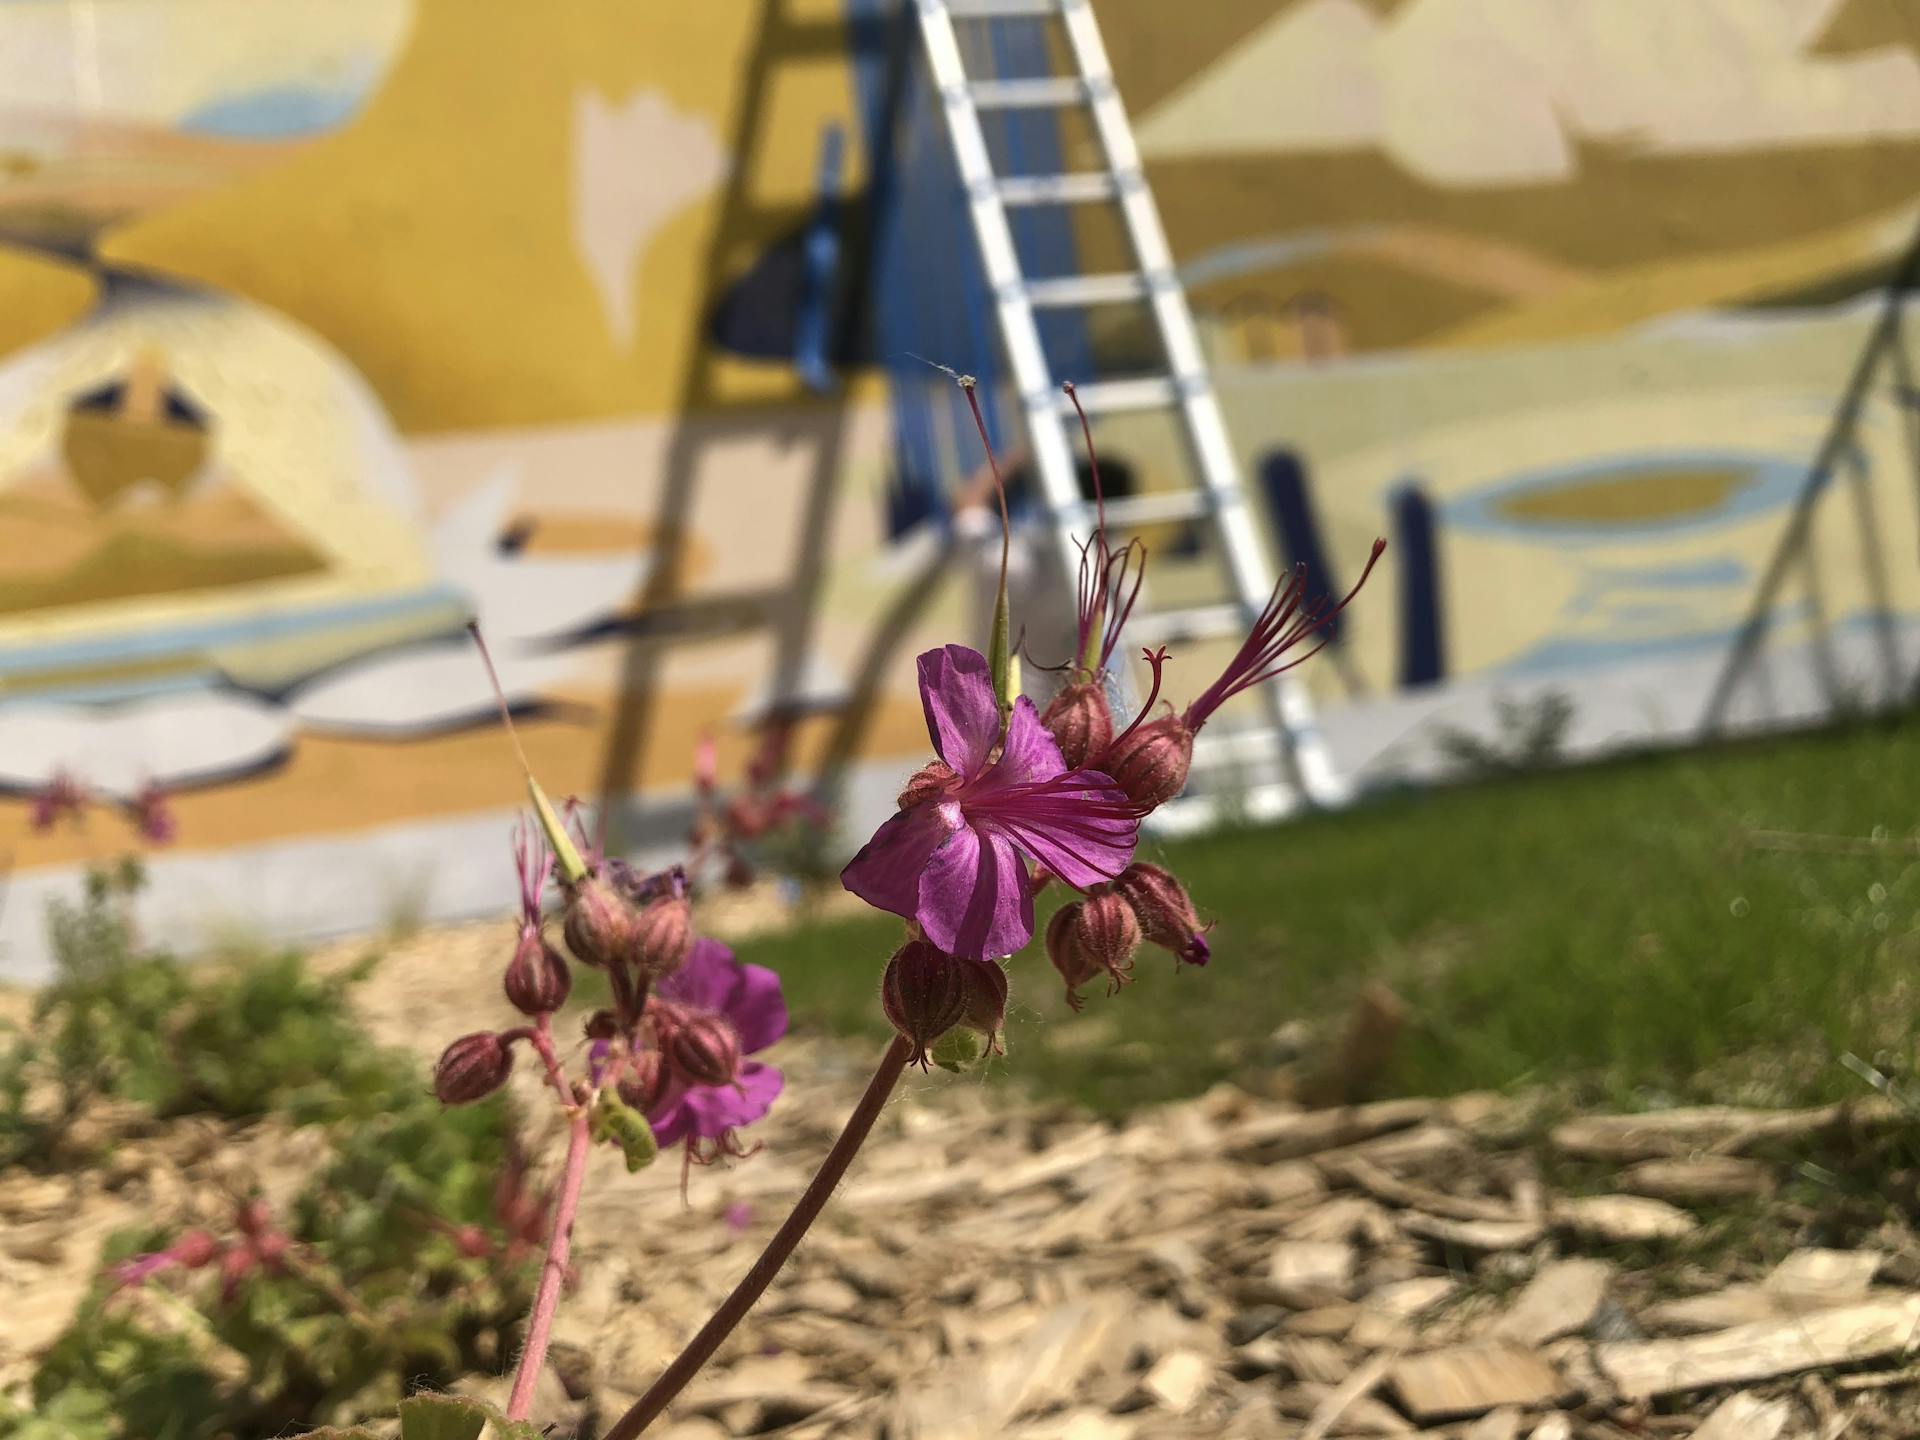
(1289, 734)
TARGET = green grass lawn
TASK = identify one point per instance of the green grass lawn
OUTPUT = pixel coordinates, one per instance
(1605, 931)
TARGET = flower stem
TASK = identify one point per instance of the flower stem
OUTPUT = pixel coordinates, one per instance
(559, 1242)
(832, 1170)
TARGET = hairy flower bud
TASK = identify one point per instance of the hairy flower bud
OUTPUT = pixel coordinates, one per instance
(599, 924)
(986, 1004)
(703, 1049)
(664, 933)
(928, 782)
(472, 1067)
(1151, 762)
(1080, 722)
(1099, 933)
(924, 994)
(647, 1084)
(193, 1250)
(537, 981)
(1167, 917)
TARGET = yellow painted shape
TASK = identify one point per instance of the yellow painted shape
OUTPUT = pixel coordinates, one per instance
(39, 297)
(431, 239)
(1639, 293)
(1643, 495)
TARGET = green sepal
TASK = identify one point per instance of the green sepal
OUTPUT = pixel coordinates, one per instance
(1000, 662)
(959, 1050)
(443, 1417)
(572, 868)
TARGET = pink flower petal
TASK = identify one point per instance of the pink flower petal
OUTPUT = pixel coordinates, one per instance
(963, 718)
(974, 901)
(757, 1008)
(1080, 825)
(705, 979)
(1031, 755)
(709, 1111)
(886, 872)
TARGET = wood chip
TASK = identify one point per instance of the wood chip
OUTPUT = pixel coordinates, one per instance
(1468, 1379)
(1362, 1172)
(1345, 1396)
(1743, 1417)
(1711, 1179)
(1843, 1336)
(1623, 1219)
(1293, 1136)
(1364, 1416)
(1824, 1276)
(1475, 1235)
(1559, 1300)
(1721, 1128)
(1501, 1424)
(1306, 1273)
(1177, 1380)
(1315, 1358)
(1554, 1427)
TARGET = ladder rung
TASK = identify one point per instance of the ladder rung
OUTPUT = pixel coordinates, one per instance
(1089, 289)
(1213, 746)
(1041, 92)
(1078, 189)
(997, 9)
(1104, 397)
(1199, 622)
(1146, 509)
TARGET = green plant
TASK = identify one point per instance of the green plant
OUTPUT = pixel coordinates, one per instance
(1531, 735)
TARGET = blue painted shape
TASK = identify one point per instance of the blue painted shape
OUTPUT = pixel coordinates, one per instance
(1283, 478)
(820, 252)
(283, 112)
(1423, 659)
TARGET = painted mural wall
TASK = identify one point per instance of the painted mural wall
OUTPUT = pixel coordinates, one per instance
(325, 328)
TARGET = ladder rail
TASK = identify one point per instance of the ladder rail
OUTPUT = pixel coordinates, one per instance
(1186, 388)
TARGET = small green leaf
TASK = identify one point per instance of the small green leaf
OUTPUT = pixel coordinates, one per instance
(959, 1050)
(615, 1120)
(442, 1417)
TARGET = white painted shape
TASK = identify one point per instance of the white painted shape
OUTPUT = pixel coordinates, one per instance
(170, 740)
(636, 164)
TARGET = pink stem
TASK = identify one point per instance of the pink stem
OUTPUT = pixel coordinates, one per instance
(559, 1242)
(734, 1308)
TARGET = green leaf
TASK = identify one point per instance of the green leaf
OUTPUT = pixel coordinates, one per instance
(615, 1120)
(442, 1417)
(357, 1432)
(959, 1050)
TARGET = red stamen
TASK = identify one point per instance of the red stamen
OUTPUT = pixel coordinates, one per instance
(1157, 659)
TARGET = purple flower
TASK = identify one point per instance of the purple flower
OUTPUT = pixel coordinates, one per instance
(714, 984)
(951, 858)
(61, 798)
(153, 816)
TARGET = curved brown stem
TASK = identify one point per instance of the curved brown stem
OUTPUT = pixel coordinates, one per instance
(734, 1308)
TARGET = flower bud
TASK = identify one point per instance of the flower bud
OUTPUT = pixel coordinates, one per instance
(924, 994)
(664, 934)
(1080, 722)
(704, 1050)
(193, 1250)
(253, 1219)
(472, 1067)
(928, 783)
(599, 924)
(1151, 762)
(538, 980)
(235, 1265)
(648, 1083)
(986, 1003)
(1099, 933)
(1167, 917)
(471, 1241)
